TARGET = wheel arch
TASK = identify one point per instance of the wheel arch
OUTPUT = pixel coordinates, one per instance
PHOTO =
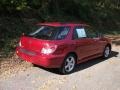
(108, 44)
(73, 53)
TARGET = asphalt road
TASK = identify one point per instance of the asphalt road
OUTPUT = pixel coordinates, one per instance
(97, 74)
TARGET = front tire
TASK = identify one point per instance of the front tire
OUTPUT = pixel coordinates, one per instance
(68, 64)
(106, 52)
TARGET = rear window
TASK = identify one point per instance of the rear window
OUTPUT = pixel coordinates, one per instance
(50, 33)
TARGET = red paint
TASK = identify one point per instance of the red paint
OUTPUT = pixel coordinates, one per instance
(85, 49)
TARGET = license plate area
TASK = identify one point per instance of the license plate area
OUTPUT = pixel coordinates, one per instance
(27, 52)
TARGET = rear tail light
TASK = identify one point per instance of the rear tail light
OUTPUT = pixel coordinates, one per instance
(19, 44)
(48, 49)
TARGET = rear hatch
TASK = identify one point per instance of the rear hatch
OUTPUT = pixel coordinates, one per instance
(32, 44)
(44, 38)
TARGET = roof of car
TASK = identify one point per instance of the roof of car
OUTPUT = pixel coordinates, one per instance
(57, 24)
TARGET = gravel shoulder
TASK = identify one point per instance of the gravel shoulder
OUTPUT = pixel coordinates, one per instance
(97, 74)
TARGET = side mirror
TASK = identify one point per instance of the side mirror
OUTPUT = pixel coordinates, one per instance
(100, 35)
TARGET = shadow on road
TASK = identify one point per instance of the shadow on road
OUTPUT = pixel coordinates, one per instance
(94, 62)
(84, 65)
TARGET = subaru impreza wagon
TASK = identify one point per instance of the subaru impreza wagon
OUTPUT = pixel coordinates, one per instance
(62, 45)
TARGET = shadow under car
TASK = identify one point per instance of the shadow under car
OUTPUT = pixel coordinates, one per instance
(83, 65)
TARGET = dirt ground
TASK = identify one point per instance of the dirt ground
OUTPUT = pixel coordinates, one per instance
(97, 74)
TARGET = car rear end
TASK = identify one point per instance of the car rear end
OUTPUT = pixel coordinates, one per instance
(39, 50)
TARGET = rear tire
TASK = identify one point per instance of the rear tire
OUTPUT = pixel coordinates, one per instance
(68, 64)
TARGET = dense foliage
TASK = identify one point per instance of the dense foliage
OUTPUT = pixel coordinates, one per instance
(17, 16)
(80, 9)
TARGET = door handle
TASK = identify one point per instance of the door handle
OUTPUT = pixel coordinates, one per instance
(77, 42)
(95, 40)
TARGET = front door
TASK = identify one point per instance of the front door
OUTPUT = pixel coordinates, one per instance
(86, 43)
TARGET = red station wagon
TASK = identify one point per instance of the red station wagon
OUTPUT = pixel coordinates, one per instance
(62, 45)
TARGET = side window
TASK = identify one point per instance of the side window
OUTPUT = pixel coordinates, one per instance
(63, 33)
(79, 32)
(91, 33)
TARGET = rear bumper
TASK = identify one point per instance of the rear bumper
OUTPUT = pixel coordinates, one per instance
(47, 61)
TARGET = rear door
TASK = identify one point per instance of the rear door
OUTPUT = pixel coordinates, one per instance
(98, 43)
